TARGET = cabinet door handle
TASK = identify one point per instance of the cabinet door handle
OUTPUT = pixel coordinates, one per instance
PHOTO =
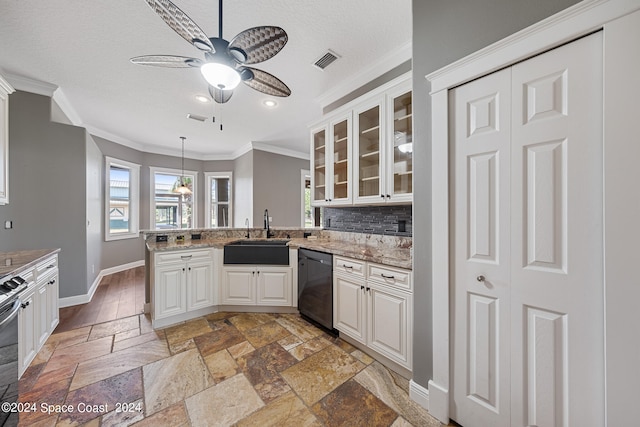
(387, 277)
(253, 273)
(24, 305)
(189, 268)
(258, 273)
(183, 269)
(382, 195)
(361, 287)
(51, 282)
(368, 289)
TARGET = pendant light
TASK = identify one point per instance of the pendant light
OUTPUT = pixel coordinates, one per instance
(182, 188)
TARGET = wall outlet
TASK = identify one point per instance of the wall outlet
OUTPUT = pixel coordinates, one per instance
(8, 225)
(402, 226)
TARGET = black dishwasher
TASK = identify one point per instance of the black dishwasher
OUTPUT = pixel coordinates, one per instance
(315, 287)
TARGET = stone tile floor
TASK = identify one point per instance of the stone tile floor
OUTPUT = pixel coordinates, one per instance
(226, 369)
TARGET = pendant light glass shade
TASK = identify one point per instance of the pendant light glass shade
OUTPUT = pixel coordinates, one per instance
(182, 188)
(220, 76)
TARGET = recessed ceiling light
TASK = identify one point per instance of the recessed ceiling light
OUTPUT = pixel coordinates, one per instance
(202, 98)
(270, 103)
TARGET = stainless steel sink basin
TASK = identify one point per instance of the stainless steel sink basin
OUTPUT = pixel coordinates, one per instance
(257, 252)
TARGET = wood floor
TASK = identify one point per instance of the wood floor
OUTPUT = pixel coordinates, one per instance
(118, 296)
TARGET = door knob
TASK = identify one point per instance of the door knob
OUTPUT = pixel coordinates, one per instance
(480, 278)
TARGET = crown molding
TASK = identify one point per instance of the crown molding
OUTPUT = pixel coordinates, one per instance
(5, 86)
(27, 84)
(382, 65)
(279, 150)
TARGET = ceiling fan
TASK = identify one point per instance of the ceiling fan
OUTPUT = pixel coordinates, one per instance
(226, 63)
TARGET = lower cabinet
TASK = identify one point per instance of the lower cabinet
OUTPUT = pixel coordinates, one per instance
(257, 285)
(183, 282)
(38, 315)
(373, 305)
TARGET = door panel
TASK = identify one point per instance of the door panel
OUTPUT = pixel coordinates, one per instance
(480, 136)
(557, 258)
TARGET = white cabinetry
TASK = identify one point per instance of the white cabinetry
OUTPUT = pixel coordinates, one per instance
(27, 321)
(257, 285)
(183, 285)
(38, 315)
(5, 90)
(363, 154)
(373, 305)
(383, 135)
(331, 154)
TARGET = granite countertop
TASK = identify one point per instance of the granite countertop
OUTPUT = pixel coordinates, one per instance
(15, 262)
(392, 256)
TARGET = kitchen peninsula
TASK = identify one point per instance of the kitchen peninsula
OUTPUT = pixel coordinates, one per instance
(372, 282)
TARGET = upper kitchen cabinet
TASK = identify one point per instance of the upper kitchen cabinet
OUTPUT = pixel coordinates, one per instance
(5, 90)
(384, 146)
(331, 158)
(362, 155)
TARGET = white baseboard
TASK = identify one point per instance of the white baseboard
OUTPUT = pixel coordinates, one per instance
(419, 394)
(86, 298)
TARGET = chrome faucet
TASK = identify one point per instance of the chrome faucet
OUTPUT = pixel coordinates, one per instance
(246, 222)
(266, 223)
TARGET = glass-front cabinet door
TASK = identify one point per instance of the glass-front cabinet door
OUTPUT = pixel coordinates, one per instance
(368, 153)
(400, 146)
(319, 173)
(340, 178)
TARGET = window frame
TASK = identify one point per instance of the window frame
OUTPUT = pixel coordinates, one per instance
(134, 199)
(152, 194)
(208, 177)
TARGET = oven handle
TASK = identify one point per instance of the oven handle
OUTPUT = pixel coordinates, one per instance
(12, 314)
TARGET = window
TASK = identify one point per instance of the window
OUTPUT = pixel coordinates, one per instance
(311, 217)
(169, 209)
(219, 200)
(122, 199)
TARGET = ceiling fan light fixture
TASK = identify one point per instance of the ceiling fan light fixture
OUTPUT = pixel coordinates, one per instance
(220, 76)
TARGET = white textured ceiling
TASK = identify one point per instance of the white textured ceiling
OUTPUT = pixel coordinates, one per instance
(83, 47)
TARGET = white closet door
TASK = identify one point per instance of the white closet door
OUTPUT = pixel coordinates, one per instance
(480, 138)
(528, 339)
(557, 262)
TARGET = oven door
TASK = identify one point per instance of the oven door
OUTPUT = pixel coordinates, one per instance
(9, 358)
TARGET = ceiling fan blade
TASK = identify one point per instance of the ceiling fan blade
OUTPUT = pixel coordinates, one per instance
(167, 61)
(259, 43)
(267, 83)
(220, 96)
(181, 24)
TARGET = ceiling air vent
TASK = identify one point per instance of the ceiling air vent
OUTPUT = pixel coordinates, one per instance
(325, 60)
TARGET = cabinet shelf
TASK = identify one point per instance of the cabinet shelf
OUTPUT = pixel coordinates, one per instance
(341, 183)
(320, 147)
(320, 167)
(370, 154)
(342, 162)
(370, 178)
(320, 186)
(371, 129)
(404, 173)
(343, 139)
(406, 116)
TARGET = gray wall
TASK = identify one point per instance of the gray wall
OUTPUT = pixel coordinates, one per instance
(444, 31)
(243, 190)
(94, 207)
(277, 186)
(47, 178)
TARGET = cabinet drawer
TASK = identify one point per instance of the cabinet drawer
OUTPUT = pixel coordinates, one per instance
(177, 256)
(47, 265)
(390, 276)
(348, 266)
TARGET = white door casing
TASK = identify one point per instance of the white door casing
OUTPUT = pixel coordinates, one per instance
(527, 271)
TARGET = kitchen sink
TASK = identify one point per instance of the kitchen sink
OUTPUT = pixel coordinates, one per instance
(257, 252)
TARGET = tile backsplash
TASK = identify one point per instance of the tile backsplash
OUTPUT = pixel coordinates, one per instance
(388, 220)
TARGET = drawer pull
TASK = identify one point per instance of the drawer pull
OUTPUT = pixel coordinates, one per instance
(348, 266)
(387, 277)
(50, 266)
(186, 256)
